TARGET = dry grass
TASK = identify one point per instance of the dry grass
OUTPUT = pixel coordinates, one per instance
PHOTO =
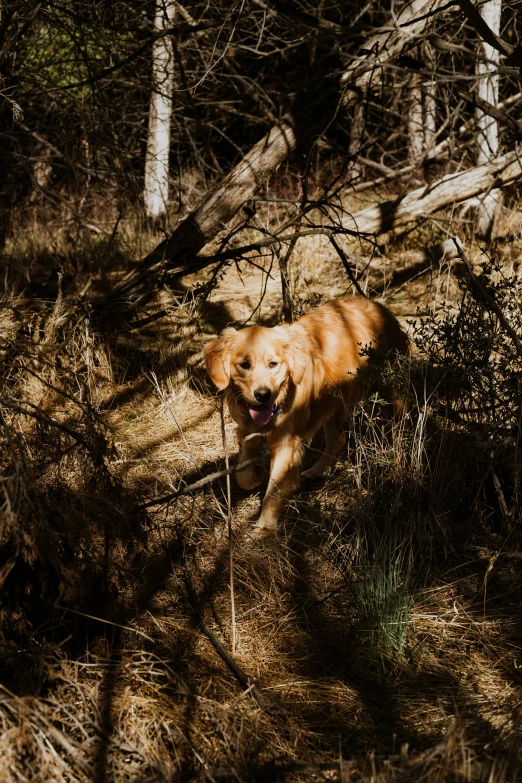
(382, 625)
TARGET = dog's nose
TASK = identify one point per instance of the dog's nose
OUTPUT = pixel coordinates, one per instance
(262, 394)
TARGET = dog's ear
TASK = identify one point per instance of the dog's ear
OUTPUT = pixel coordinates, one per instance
(296, 352)
(217, 358)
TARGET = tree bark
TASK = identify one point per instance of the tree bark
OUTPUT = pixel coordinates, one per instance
(487, 210)
(415, 122)
(156, 188)
(356, 137)
(451, 189)
(421, 117)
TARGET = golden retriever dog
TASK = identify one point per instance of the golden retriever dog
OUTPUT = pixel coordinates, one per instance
(284, 383)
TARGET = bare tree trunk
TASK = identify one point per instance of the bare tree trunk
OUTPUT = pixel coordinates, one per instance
(488, 209)
(356, 137)
(156, 190)
(421, 116)
(452, 189)
(430, 107)
(415, 122)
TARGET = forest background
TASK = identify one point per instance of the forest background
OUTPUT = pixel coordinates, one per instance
(168, 169)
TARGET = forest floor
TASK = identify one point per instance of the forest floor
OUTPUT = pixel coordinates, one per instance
(381, 625)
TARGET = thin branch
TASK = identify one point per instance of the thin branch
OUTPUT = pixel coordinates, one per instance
(483, 29)
(202, 482)
(238, 252)
(348, 269)
(179, 29)
(229, 525)
(485, 106)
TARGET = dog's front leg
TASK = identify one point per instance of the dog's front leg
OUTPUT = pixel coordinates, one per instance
(335, 441)
(250, 448)
(285, 467)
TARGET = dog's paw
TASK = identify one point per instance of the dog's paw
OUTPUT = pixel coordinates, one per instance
(265, 527)
(314, 473)
(260, 532)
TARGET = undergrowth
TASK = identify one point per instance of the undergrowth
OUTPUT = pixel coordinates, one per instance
(381, 626)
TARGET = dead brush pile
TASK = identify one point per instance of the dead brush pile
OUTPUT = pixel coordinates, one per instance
(379, 634)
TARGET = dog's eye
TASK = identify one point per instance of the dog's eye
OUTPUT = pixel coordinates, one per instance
(245, 365)
(272, 365)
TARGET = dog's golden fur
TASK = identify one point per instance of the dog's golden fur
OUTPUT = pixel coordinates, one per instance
(305, 375)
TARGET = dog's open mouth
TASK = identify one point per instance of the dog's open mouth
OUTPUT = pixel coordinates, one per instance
(261, 414)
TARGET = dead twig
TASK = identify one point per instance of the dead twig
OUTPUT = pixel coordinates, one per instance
(229, 525)
(39, 415)
(348, 269)
(197, 484)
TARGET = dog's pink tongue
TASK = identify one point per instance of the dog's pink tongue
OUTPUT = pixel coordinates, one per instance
(261, 415)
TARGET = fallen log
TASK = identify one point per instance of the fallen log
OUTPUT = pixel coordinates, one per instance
(370, 222)
(451, 189)
(177, 254)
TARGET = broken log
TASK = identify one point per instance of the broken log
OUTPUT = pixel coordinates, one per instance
(451, 189)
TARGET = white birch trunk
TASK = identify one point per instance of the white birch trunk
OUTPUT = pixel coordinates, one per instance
(421, 115)
(430, 108)
(415, 122)
(156, 190)
(356, 136)
(488, 209)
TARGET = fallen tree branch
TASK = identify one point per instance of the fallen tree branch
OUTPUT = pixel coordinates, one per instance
(442, 149)
(240, 252)
(197, 484)
(219, 206)
(378, 219)
(451, 189)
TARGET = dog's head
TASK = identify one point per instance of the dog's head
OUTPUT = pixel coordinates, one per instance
(258, 363)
